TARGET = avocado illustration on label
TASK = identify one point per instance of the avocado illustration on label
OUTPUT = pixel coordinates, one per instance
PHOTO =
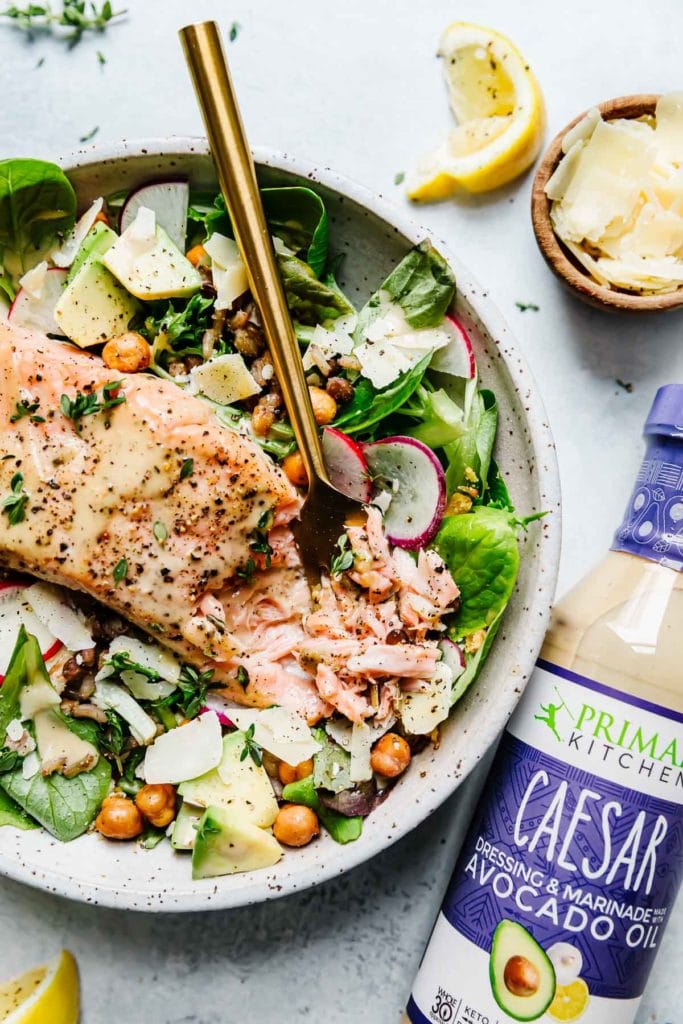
(522, 975)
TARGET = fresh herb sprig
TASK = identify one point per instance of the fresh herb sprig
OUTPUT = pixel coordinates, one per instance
(193, 686)
(86, 404)
(77, 15)
(121, 662)
(251, 748)
(22, 409)
(344, 560)
(14, 505)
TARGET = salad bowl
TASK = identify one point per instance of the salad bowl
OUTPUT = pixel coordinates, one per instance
(373, 236)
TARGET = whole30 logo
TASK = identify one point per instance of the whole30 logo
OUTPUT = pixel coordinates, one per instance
(604, 737)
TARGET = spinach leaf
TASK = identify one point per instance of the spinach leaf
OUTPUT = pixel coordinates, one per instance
(368, 406)
(331, 764)
(26, 666)
(474, 662)
(37, 202)
(310, 300)
(474, 447)
(65, 807)
(297, 215)
(480, 549)
(12, 814)
(422, 285)
(497, 491)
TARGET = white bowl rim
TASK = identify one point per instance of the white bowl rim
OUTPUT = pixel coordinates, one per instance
(541, 440)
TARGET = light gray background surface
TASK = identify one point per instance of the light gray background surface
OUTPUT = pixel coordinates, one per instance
(356, 85)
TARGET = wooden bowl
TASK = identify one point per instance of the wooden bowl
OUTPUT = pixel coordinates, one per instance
(559, 259)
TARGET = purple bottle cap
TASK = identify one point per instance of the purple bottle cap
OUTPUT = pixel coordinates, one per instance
(652, 527)
(666, 415)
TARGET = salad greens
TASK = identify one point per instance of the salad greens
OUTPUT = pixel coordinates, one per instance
(37, 203)
(64, 806)
(481, 551)
(446, 421)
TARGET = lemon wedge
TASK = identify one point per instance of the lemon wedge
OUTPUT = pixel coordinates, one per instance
(570, 1001)
(50, 992)
(499, 109)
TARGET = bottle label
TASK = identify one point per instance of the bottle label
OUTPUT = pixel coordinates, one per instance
(567, 877)
(653, 523)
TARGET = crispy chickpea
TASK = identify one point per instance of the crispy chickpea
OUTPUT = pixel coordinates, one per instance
(324, 406)
(474, 641)
(119, 818)
(292, 772)
(157, 803)
(294, 469)
(262, 419)
(127, 353)
(390, 755)
(296, 825)
(196, 255)
(458, 504)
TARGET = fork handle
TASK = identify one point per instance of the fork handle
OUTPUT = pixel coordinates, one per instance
(237, 179)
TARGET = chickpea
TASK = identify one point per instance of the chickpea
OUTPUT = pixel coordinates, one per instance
(296, 825)
(291, 773)
(294, 469)
(390, 755)
(101, 218)
(458, 504)
(119, 818)
(521, 977)
(324, 406)
(127, 353)
(157, 803)
(196, 255)
(262, 419)
(474, 641)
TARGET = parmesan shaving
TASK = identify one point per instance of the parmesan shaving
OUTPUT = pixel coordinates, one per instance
(617, 198)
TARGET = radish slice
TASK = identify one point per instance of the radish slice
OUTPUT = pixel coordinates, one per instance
(169, 201)
(34, 309)
(457, 358)
(452, 656)
(346, 465)
(414, 477)
(13, 615)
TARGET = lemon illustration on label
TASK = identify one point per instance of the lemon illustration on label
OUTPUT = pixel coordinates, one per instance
(570, 1001)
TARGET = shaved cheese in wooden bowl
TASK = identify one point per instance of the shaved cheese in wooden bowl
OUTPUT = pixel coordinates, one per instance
(617, 198)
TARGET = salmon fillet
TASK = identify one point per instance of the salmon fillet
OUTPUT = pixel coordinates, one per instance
(149, 507)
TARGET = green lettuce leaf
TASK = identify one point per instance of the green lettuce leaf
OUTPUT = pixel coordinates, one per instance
(331, 764)
(481, 551)
(12, 814)
(369, 406)
(298, 216)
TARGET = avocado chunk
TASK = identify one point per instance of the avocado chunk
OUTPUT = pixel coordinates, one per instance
(185, 826)
(95, 244)
(237, 784)
(522, 976)
(227, 842)
(94, 306)
(150, 265)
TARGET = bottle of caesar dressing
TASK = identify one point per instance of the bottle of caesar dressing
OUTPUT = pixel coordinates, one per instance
(567, 877)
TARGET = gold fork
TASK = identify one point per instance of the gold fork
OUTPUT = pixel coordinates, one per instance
(326, 509)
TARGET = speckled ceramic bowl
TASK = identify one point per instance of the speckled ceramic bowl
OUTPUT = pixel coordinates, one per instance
(374, 236)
